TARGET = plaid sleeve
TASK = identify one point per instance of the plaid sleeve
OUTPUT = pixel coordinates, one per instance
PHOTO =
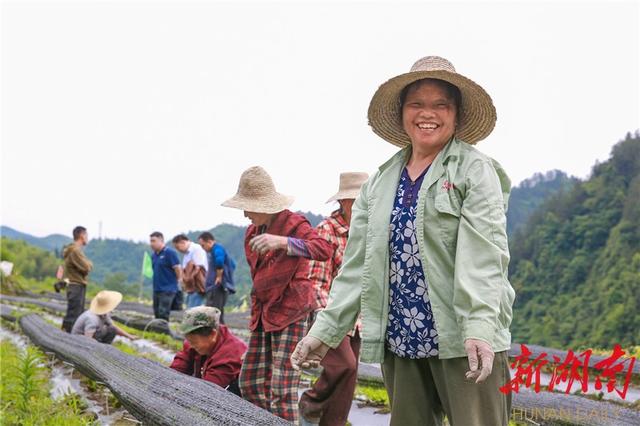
(321, 273)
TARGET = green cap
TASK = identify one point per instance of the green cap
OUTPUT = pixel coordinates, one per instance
(199, 317)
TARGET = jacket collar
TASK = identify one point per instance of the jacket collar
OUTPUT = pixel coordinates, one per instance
(338, 223)
(451, 150)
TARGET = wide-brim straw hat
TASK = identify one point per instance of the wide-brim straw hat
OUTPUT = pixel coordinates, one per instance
(476, 115)
(105, 301)
(257, 193)
(350, 184)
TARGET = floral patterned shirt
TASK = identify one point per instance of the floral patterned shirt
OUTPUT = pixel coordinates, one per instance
(411, 331)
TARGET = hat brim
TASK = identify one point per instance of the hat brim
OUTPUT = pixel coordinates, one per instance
(114, 300)
(477, 114)
(345, 195)
(269, 205)
(191, 328)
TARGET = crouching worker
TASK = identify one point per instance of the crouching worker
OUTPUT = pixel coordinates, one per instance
(96, 322)
(211, 352)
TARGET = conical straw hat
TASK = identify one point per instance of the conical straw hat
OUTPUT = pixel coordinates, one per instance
(350, 184)
(257, 193)
(105, 301)
(477, 115)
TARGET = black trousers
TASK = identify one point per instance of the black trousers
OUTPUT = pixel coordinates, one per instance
(178, 301)
(162, 302)
(75, 305)
(234, 388)
(217, 298)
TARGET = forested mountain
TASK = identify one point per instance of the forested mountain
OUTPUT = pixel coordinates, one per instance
(51, 242)
(530, 193)
(576, 263)
(28, 261)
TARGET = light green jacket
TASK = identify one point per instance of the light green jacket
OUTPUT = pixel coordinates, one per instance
(461, 232)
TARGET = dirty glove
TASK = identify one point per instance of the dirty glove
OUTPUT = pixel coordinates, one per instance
(308, 353)
(481, 357)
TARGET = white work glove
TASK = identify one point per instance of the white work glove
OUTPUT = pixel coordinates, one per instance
(308, 353)
(481, 357)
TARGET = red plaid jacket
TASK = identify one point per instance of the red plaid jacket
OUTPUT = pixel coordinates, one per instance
(282, 292)
(335, 230)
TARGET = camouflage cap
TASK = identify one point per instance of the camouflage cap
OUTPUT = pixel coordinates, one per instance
(199, 317)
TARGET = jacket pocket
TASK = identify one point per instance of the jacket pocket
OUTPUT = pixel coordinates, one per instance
(448, 217)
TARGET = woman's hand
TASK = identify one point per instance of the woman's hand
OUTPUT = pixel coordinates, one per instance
(479, 350)
(268, 242)
(308, 353)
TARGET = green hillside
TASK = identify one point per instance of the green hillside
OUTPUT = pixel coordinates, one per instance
(530, 193)
(28, 261)
(576, 263)
(53, 242)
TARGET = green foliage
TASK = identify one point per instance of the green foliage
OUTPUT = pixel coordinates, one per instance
(576, 263)
(531, 193)
(376, 395)
(35, 268)
(118, 257)
(24, 390)
(118, 282)
(130, 350)
(163, 339)
(28, 261)
(53, 242)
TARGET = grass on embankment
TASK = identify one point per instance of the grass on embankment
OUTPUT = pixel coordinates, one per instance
(25, 391)
(163, 339)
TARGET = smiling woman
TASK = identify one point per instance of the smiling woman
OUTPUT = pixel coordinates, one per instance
(429, 117)
(426, 260)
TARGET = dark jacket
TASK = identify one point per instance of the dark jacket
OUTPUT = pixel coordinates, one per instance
(221, 367)
(282, 292)
(76, 264)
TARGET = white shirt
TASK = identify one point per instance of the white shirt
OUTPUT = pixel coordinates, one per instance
(196, 254)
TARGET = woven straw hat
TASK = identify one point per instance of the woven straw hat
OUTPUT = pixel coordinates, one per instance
(477, 115)
(105, 301)
(350, 184)
(257, 193)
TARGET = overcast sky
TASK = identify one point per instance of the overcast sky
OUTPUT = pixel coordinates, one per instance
(143, 115)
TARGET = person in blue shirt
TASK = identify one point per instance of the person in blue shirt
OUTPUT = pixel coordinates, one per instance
(167, 273)
(218, 283)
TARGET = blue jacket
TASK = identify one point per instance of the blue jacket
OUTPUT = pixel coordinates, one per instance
(219, 259)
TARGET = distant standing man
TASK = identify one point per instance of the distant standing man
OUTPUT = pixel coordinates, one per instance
(76, 269)
(194, 269)
(328, 401)
(218, 285)
(166, 274)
